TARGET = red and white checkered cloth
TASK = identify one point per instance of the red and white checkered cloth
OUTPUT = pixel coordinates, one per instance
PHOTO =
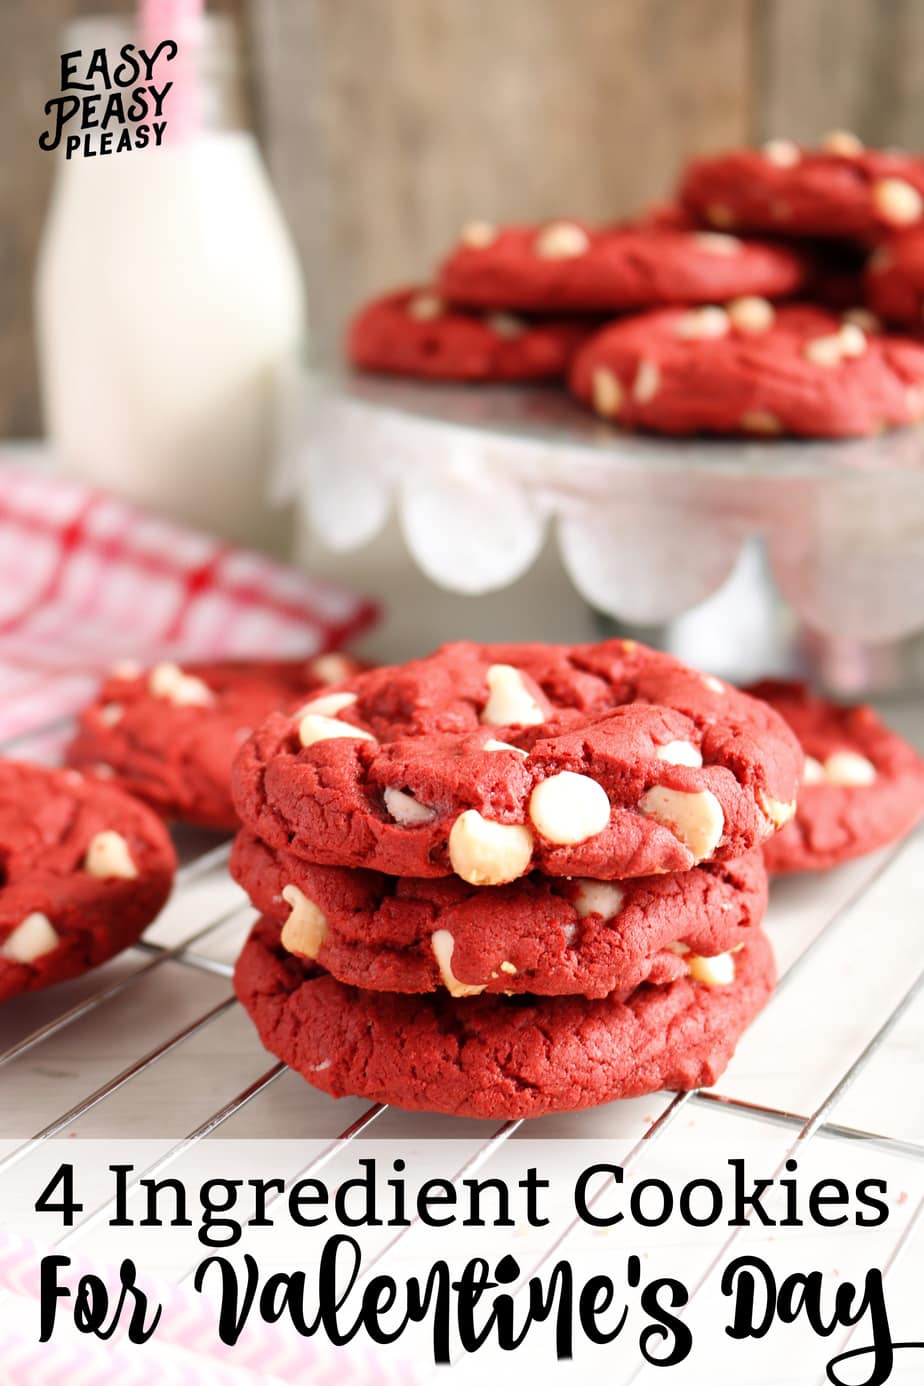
(86, 580)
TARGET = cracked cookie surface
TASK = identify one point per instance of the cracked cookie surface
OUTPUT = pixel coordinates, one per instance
(490, 1056)
(840, 190)
(83, 870)
(606, 761)
(568, 266)
(753, 369)
(863, 784)
(417, 333)
(168, 734)
(543, 935)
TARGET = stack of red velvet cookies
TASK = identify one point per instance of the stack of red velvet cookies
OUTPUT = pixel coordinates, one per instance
(757, 304)
(507, 880)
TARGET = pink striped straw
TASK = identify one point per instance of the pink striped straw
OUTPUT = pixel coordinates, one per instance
(183, 21)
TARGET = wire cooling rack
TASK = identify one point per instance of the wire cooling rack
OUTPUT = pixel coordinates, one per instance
(156, 1045)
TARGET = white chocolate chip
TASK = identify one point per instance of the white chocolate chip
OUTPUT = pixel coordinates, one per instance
(781, 153)
(702, 323)
(319, 1068)
(761, 421)
(681, 949)
(510, 703)
(717, 214)
(695, 818)
(849, 769)
(305, 929)
(111, 713)
(717, 242)
(509, 968)
(813, 772)
(333, 667)
(862, 317)
(569, 808)
(108, 858)
(492, 745)
(183, 690)
(679, 753)
(853, 339)
(483, 852)
(843, 142)
(751, 314)
(897, 202)
(561, 240)
(407, 810)
(506, 325)
(717, 971)
(598, 897)
(328, 705)
(126, 669)
(443, 944)
(825, 351)
(478, 234)
(647, 381)
(777, 811)
(314, 728)
(606, 391)
(713, 684)
(31, 939)
(425, 307)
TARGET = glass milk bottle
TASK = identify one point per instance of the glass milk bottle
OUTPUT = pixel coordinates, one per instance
(170, 308)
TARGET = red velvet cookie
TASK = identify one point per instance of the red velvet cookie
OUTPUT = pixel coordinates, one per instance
(169, 735)
(495, 1056)
(863, 785)
(417, 333)
(566, 266)
(607, 761)
(750, 368)
(85, 869)
(553, 936)
(840, 190)
(894, 279)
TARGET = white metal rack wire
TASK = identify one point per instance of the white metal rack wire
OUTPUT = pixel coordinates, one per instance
(818, 921)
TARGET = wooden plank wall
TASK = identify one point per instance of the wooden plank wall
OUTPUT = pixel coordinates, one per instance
(388, 123)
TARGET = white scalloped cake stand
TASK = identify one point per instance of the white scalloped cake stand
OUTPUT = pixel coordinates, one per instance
(647, 528)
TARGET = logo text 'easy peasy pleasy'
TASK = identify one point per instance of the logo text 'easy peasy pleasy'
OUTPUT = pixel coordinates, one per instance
(109, 106)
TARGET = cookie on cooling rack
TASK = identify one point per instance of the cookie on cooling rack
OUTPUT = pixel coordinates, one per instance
(169, 734)
(489, 761)
(544, 935)
(750, 368)
(85, 869)
(497, 1056)
(567, 266)
(863, 785)
(841, 189)
(416, 333)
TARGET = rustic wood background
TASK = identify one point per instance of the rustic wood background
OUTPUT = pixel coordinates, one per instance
(388, 123)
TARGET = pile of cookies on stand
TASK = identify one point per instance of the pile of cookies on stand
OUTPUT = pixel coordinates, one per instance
(780, 293)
